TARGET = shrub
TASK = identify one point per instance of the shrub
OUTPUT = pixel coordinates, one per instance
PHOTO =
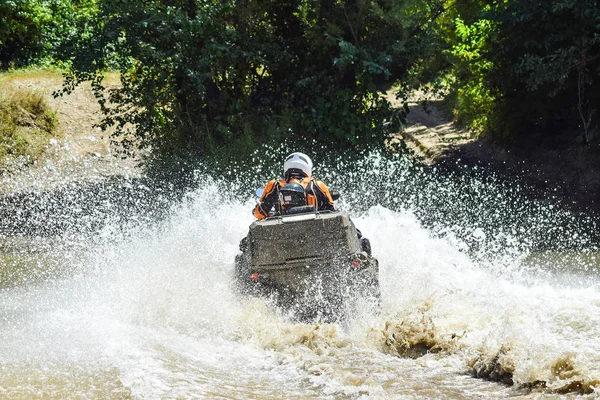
(203, 77)
(26, 124)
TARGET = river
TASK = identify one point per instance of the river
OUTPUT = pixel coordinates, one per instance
(485, 294)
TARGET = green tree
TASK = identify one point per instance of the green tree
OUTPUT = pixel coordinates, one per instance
(547, 65)
(21, 31)
(33, 30)
(201, 76)
(524, 69)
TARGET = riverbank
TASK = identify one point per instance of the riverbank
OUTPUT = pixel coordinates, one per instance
(82, 152)
(569, 173)
(79, 151)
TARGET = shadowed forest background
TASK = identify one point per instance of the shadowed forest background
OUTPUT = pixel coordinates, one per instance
(221, 78)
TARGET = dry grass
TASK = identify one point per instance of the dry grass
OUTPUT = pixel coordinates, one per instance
(49, 74)
(29, 117)
(26, 125)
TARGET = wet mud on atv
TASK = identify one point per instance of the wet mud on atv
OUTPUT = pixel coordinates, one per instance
(315, 266)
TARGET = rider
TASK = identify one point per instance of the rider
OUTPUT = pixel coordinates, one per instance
(296, 181)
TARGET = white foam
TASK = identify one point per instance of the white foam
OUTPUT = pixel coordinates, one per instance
(155, 316)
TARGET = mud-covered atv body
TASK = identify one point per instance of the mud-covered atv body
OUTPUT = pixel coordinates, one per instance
(315, 264)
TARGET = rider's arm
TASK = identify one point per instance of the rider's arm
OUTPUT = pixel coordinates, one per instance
(324, 198)
(267, 201)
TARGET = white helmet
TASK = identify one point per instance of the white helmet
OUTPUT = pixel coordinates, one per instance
(298, 161)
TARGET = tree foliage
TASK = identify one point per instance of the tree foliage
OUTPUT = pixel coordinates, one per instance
(547, 55)
(34, 30)
(526, 68)
(207, 75)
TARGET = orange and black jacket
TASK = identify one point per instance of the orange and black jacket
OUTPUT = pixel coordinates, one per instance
(317, 195)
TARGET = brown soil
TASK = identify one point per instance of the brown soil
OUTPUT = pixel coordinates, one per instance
(81, 151)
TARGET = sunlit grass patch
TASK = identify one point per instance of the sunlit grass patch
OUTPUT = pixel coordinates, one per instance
(32, 75)
(27, 74)
(27, 122)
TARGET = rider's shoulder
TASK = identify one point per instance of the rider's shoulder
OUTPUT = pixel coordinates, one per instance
(271, 186)
(320, 183)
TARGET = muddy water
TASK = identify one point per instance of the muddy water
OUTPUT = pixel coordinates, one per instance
(151, 314)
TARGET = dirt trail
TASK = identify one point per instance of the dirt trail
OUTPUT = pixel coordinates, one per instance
(431, 135)
(571, 173)
(82, 150)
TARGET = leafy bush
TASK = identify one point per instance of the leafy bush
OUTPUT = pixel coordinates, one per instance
(212, 77)
(547, 65)
(26, 124)
(524, 68)
(475, 99)
(34, 30)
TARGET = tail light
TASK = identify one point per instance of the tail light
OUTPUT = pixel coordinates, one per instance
(255, 277)
(358, 260)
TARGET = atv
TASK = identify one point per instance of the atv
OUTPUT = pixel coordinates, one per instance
(315, 265)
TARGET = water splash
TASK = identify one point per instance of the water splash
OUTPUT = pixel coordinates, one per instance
(145, 309)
